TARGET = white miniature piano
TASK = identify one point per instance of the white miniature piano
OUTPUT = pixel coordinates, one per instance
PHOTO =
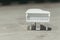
(37, 15)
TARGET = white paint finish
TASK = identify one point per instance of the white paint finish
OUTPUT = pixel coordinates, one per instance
(37, 15)
(37, 11)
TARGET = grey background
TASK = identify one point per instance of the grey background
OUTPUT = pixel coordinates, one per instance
(13, 25)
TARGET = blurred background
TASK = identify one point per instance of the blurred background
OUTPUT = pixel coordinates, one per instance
(8, 2)
(13, 25)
